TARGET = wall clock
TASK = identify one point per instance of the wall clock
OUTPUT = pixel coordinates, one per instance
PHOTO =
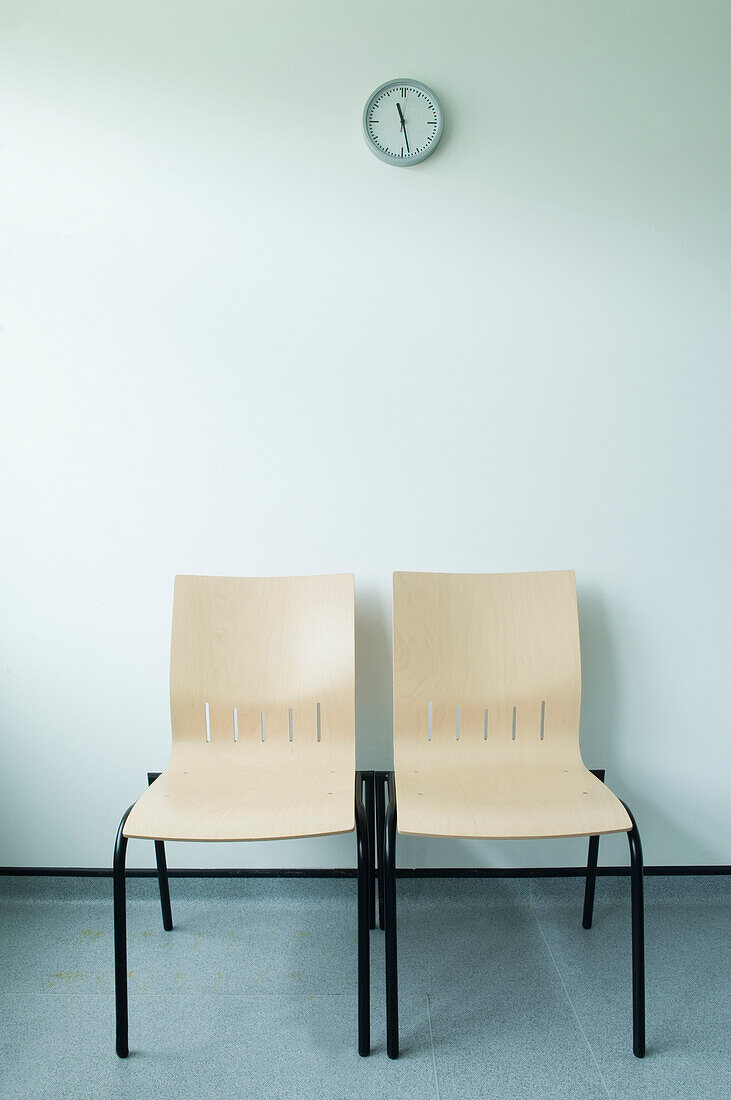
(403, 122)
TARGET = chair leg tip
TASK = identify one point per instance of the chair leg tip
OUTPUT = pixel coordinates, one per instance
(586, 923)
(122, 1050)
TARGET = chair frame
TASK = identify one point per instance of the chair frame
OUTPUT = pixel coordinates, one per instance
(364, 785)
(220, 675)
(386, 847)
(467, 645)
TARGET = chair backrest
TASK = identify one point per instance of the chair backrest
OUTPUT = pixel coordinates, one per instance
(267, 662)
(487, 665)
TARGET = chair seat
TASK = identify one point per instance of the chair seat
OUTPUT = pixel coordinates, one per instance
(506, 801)
(226, 793)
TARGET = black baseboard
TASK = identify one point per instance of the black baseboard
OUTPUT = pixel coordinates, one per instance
(349, 872)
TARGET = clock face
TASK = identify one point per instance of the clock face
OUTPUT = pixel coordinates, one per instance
(403, 122)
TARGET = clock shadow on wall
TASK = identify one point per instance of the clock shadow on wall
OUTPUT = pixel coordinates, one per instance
(403, 122)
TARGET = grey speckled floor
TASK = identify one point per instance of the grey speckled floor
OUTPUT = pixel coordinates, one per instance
(253, 995)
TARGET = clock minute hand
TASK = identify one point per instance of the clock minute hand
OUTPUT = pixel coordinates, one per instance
(403, 125)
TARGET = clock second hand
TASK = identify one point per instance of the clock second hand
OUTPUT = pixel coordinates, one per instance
(403, 126)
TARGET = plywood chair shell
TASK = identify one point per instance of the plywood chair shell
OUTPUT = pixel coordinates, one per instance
(487, 704)
(262, 704)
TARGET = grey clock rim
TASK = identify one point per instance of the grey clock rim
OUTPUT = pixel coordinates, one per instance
(432, 145)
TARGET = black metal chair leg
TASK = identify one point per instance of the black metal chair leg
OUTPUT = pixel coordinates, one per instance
(389, 882)
(380, 786)
(162, 873)
(120, 939)
(638, 939)
(364, 958)
(370, 806)
(591, 863)
(162, 878)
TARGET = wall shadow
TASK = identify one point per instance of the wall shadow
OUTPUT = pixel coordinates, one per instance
(599, 683)
(373, 679)
(601, 688)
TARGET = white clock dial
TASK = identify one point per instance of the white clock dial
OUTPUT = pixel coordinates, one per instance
(403, 122)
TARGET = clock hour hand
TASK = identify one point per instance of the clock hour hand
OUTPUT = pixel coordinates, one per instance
(403, 125)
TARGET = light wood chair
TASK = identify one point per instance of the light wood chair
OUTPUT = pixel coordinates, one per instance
(262, 699)
(487, 699)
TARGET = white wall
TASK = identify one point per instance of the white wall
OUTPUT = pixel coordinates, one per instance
(234, 342)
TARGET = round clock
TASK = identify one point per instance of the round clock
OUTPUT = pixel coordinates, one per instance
(403, 122)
